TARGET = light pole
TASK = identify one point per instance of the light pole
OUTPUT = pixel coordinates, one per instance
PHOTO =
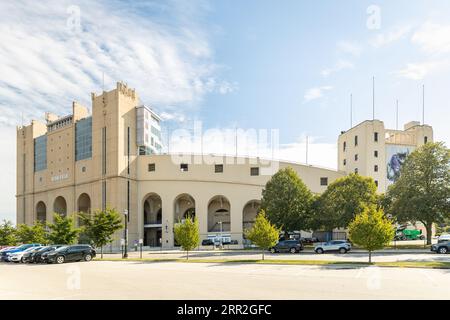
(125, 252)
(221, 239)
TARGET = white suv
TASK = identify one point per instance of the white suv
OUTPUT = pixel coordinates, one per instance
(342, 246)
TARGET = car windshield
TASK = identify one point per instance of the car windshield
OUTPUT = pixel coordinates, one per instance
(23, 247)
(30, 249)
(62, 248)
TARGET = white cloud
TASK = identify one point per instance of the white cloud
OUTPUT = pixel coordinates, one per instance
(340, 65)
(49, 63)
(418, 71)
(316, 93)
(384, 39)
(432, 38)
(351, 48)
(222, 141)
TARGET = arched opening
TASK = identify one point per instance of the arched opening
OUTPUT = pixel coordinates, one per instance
(152, 220)
(84, 206)
(84, 203)
(41, 212)
(184, 206)
(219, 214)
(249, 213)
(60, 206)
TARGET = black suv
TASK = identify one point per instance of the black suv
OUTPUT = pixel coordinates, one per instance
(441, 247)
(71, 253)
(292, 246)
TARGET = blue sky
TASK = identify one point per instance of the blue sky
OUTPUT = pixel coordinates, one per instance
(287, 65)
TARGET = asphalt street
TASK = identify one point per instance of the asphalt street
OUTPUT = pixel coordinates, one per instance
(175, 280)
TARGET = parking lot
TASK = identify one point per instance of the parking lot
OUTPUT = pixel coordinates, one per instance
(172, 280)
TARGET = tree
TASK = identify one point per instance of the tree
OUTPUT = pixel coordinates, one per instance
(344, 198)
(371, 230)
(264, 234)
(100, 226)
(422, 191)
(187, 234)
(287, 200)
(32, 234)
(62, 230)
(8, 236)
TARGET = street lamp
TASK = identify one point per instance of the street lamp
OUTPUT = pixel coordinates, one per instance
(221, 236)
(125, 252)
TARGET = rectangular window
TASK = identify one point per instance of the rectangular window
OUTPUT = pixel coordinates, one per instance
(218, 168)
(184, 167)
(345, 162)
(83, 139)
(375, 136)
(151, 167)
(356, 141)
(104, 195)
(104, 150)
(344, 145)
(425, 139)
(375, 153)
(40, 153)
(356, 157)
(376, 183)
(356, 170)
(324, 181)
(375, 168)
(254, 171)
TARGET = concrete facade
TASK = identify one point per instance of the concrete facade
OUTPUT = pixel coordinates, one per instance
(157, 189)
(371, 149)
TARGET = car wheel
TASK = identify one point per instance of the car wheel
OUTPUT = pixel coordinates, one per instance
(88, 257)
(60, 259)
(442, 250)
(293, 250)
(273, 250)
(342, 250)
(319, 250)
(21, 260)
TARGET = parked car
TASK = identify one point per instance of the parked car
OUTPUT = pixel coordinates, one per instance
(5, 254)
(18, 256)
(292, 246)
(71, 253)
(31, 255)
(342, 246)
(207, 242)
(444, 238)
(309, 239)
(441, 247)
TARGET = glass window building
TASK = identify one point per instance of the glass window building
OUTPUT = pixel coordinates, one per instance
(83, 139)
(40, 153)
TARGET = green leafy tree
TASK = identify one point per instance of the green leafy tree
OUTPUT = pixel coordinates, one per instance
(286, 201)
(32, 234)
(344, 198)
(100, 226)
(264, 234)
(187, 234)
(62, 230)
(422, 191)
(8, 236)
(371, 230)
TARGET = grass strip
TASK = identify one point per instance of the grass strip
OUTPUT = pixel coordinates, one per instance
(395, 264)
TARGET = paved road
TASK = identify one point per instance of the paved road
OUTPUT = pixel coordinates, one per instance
(171, 280)
(242, 254)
